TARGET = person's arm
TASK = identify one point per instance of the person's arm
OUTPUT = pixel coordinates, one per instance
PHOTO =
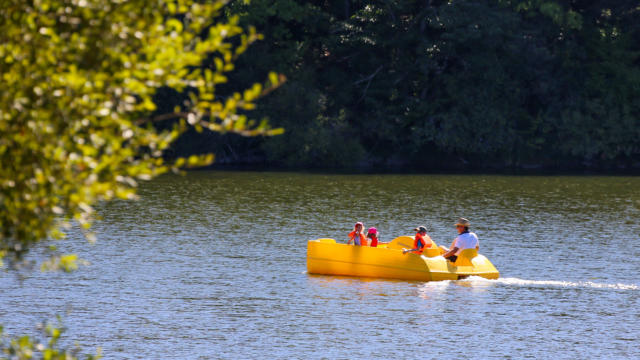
(404, 251)
(417, 248)
(351, 237)
(450, 252)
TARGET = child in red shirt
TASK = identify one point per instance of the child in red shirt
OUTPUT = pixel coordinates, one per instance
(372, 234)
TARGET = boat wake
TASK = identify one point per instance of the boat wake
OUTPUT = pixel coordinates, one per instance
(552, 283)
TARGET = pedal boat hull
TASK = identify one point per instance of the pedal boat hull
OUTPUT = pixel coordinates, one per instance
(326, 257)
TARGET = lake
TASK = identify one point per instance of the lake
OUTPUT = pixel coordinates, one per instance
(212, 265)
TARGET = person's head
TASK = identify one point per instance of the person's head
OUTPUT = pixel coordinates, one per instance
(359, 226)
(372, 232)
(421, 229)
(462, 225)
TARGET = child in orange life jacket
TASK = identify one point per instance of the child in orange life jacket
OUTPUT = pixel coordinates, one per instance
(357, 235)
(420, 242)
(372, 234)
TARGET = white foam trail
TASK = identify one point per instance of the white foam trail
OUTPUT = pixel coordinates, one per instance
(556, 283)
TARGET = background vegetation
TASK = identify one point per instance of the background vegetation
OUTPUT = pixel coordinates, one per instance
(432, 85)
(82, 119)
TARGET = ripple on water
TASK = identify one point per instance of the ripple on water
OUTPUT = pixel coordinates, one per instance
(212, 266)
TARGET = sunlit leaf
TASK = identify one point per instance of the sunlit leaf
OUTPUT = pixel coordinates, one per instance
(77, 114)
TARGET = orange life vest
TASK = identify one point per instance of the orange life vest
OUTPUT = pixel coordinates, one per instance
(363, 240)
(423, 242)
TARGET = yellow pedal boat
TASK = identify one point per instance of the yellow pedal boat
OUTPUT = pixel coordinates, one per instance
(326, 257)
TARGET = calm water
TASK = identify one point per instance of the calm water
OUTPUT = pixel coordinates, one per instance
(212, 265)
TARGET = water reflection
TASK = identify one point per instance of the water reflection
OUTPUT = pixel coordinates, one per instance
(434, 289)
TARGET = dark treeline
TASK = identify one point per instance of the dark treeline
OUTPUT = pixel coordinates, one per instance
(433, 85)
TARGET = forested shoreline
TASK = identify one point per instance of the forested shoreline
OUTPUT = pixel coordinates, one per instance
(438, 85)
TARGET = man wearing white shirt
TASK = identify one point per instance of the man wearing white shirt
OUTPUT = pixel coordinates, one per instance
(465, 240)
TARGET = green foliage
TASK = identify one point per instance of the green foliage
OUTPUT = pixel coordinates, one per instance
(323, 142)
(45, 347)
(450, 83)
(77, 110)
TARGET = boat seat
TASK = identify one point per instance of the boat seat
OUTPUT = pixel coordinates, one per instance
(406, 242)
(433, 251)
(401, 242)
(464, 259)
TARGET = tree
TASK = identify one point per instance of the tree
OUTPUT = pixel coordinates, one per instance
(78, 123)
(497, 83)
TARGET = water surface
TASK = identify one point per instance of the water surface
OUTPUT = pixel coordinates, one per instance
(212, 265)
